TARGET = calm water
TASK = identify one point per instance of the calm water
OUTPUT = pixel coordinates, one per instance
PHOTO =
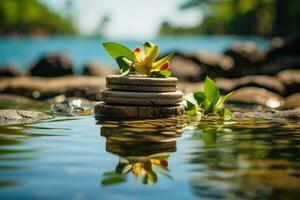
(25, 51)
(178, 158)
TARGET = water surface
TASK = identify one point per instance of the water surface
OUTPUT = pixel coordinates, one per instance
(178, 158)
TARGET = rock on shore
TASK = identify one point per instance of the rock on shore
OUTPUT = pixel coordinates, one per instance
(20, 116)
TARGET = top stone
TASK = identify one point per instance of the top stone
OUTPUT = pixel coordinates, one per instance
(141, 80)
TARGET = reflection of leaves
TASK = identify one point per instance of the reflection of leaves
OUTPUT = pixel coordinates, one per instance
(166, 175)
(147, 170)
(150, 178)
(211, 127)
(210, 136)
(112, 178)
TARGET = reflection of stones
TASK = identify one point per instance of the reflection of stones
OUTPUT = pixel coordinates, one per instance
(140, 151)
(141, 138)
(143, 147)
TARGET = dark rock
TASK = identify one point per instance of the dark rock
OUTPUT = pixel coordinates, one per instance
(20, 116)
(283, 48)
(286, 114)
(213, 65)
(46, 88)
(256, 96)
(52, 65)
(270, 83)
(185, 69)
(187, 87)
(10, 70)
(292, 101)
(98, 69)
(245, 55)
(291, 80)
(194, 67)
(15, 99)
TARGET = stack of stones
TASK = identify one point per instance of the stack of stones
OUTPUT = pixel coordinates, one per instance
(139, 97)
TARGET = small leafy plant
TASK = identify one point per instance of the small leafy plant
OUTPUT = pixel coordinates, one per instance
(141, 60)
(207, 102)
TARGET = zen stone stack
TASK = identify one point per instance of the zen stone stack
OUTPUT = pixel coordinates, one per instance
(139, 97)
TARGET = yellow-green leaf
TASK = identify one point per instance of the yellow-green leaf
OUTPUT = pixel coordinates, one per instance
(158, 64)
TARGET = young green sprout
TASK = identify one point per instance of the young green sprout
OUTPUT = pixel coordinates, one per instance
(208, 101)
(141, 60)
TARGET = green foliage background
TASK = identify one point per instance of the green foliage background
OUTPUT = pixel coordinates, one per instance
(242, 17)
(23, 16)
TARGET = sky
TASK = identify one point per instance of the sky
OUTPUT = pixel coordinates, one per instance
(132, 19)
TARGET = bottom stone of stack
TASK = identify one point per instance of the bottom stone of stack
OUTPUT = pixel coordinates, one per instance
(137, 112)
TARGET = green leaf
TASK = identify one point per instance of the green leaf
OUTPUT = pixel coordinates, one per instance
(206, 106)
(161, 74)
(199, 96)
(117, 50)
(191, 102)
(211, 91)
(223, 100)
(125, 66)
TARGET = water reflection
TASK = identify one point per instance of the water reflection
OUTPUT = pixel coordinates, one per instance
(246, 158)
(16, 151)
(143, 148)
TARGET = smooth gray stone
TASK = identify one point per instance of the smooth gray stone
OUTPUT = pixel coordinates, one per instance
(143, 88)
(140, 101)
(153, 95)
(20, 116)
(141, 80)
(137, 112)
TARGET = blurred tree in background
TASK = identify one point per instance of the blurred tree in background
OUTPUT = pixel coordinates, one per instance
(31, 17)
(243, 17)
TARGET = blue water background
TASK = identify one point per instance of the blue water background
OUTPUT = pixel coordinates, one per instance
(25, 51)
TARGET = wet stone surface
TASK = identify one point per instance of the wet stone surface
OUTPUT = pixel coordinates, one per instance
(21, 116)
(141, 88)
(137, 112)
(141, 80)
